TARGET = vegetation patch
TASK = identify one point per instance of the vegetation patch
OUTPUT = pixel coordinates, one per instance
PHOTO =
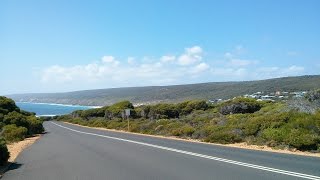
(239, 120)
(4, 153)
(15, 125)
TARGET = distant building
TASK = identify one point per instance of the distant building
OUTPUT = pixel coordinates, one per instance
(267, 98)
(215, 100)
(299, 94)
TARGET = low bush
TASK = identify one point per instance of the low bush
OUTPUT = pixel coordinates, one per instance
(16, 118)
(7, 105)
(34, 125)
(13, 133)
(4, 153)
(222, 136)
(240, 105)
(303, 140)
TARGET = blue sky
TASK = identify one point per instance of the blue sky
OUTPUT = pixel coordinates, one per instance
(56, 46)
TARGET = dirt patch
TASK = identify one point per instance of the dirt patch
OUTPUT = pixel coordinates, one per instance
(270, 149)
(16, 148)
(236, 145)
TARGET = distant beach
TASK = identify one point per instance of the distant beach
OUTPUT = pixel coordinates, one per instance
(51, 109)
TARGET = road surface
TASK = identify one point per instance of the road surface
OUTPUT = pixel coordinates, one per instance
(69, 152)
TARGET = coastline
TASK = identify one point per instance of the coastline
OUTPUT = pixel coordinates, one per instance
(57, 104)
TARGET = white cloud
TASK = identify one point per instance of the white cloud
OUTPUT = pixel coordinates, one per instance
(191, 56)
(272, 72)
(130, 60)
(294, 69)
(282, 71)
(200, 68)
(110, 60)
(190, 66)
(230, 73)
(232, 59)
(194, 50)
(144, 71)
(166, 59)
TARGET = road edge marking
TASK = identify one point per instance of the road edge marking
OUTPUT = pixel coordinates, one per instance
(264, 168)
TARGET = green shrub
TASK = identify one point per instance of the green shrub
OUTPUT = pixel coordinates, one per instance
(163, 111)
(187, 130)
(117, 109)
(98, 123)
(34, 125)
(187, 107)
(276, 136)
(159, 128)
(1, 117)
(223, 137)
(273, 125)
(26, 113)
(303, 140)
(148, 127)
(252, 127)
(7, 105)
(77, 121)
(200, 134)
(4, 153)
(95, 112)
(12, 133)
(16, 118)
(1, 125)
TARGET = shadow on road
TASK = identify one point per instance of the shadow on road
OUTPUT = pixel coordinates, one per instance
(13, 166)
(8, 167)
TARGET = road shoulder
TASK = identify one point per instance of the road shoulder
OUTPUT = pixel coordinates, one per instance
(15, 149)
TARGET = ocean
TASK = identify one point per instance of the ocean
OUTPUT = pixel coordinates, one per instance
(47, 109)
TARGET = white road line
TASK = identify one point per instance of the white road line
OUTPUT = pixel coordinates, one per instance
(264, 168)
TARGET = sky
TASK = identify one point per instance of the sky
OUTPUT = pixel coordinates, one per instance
(59, 46)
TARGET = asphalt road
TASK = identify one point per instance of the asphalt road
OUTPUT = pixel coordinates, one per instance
(69, 152)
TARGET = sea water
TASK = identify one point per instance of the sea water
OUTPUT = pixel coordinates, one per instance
(47, 109)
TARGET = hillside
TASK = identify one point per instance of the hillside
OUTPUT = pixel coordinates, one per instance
(175, 93)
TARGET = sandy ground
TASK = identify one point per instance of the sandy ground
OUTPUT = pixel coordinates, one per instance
(16, 148)
(236, 145)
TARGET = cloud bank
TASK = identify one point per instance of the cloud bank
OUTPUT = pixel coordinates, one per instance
(190, 66)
